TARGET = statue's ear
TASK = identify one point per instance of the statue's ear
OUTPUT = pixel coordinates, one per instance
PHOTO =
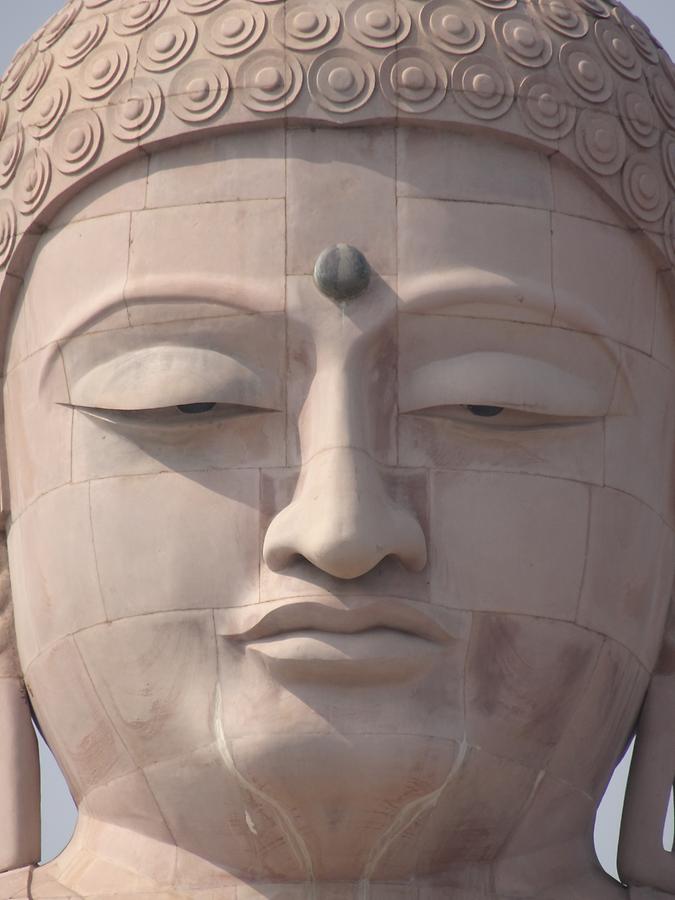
(643, 862)
(4, 478)
(19, 763)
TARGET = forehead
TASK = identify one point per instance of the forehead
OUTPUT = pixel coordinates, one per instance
(484, 227)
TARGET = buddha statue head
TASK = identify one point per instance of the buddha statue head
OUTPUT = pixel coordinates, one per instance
(340, 429)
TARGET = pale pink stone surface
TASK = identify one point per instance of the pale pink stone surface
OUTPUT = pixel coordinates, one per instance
(600, 286)
(340, 637)
(60, 296)
(213, 513)
(46, 456)
(358, 167)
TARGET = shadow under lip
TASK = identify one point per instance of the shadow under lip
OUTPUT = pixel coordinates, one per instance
(330, 616)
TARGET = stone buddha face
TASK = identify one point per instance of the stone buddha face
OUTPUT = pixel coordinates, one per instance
(340, 592)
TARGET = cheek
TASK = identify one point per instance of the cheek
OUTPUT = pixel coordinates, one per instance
(629, 573)
(55, 584)
(177, 541)
(38, 429)
(86, 553)
(525, 678)
(75, 723)
(156, 677)
(508, 543)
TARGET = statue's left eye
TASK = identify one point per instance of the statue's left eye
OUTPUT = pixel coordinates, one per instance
(486, 412)
(194, 409)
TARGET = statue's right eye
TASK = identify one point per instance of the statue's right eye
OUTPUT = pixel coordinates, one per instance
(486, 412)
(195, 409)
(172, 385)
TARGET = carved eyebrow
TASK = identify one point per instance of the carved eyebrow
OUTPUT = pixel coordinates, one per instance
(233, 297)
(444, 291)
(440, 291)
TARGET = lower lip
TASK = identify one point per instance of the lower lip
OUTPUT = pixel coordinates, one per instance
(370, 657)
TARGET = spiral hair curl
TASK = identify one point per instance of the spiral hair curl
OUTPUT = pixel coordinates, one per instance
(107, 78)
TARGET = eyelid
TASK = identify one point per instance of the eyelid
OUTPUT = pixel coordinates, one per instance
(503, 379)
(168, 375)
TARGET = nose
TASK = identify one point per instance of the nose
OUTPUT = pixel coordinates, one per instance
(343, 521)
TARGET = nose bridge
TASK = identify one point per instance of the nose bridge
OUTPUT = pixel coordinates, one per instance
(336, 410)
(342, 518)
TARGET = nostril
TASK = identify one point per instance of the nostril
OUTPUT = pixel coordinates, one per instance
(277, 556)
(343, 522)
(344, 559)
(344, 566)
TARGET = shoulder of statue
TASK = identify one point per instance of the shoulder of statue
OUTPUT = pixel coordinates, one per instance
(32, 883)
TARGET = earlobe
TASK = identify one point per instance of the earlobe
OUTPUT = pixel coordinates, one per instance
(19, 762)
(19, 779)
(643, 862)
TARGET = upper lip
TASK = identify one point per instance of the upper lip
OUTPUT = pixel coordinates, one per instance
(309, 615)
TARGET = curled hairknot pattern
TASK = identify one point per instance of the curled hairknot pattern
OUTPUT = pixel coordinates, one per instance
(618, 49)
(341, 81)
(663, 94)
(482, 88)
(104, 70)
(35, 77)
(199, 91)
(137, 17)
(59, 24)
(561, 17)
(378, 23)
(238, 28)
(195, 7)
(7, 231)
(639, 116)
(644, 188)
(11, 151)
(522, 41)
(81, 40)
(33, 180)
(306, 25)
(18, 69)
(135, 109)
(668, 66)
(601, 142)
(670, 233)
(167, 44)
(580, 77)
(452, 26)
(597, 7)
(585, 73)
(641, 37)
(79, 142)
(546, 107)
(49, 108)
(413, 81)
(270, 80)
(498, 4)
(668, 151)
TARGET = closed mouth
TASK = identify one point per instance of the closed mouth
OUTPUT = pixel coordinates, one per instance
(291, 617)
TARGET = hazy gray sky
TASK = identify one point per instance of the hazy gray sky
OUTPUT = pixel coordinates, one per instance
(20, 19)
